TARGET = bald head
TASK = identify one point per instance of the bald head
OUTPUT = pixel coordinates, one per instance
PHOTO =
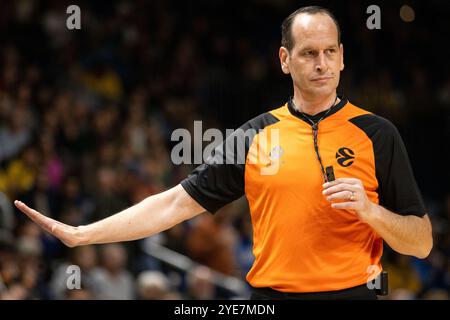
(303, 20)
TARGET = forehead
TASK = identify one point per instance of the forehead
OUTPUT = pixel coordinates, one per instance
(314, 30)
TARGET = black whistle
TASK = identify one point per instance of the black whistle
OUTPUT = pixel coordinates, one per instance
(329, 173)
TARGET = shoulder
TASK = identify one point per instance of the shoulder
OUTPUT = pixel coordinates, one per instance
(263, 120)
(372, 124)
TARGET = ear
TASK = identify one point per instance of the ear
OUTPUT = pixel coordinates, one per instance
(283, 53)
(341, 49)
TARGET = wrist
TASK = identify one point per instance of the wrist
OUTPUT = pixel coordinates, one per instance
(372, 213)
(83, 235)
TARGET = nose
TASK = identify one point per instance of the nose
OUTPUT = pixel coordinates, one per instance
(321, 64)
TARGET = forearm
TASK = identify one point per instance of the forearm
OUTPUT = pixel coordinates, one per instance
(148, 217)
(409, 235)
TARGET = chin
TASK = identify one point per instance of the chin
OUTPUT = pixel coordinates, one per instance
(323, 91)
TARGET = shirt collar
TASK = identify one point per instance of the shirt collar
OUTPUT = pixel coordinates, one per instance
(343, 101)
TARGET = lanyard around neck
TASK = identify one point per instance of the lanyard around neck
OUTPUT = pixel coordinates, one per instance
(328, 173)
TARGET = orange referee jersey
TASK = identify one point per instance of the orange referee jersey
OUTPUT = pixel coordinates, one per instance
(300, 243)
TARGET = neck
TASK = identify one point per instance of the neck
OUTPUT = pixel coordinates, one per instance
(315, 105)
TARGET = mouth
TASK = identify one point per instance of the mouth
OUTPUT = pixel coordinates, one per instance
(321, 79)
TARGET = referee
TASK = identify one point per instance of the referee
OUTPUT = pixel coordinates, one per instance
(343, 184)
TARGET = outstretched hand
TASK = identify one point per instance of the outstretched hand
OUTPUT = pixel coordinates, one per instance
(69, 235)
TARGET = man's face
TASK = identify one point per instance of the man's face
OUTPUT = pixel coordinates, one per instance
(316, 59)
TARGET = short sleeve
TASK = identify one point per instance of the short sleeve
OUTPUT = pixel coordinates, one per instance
(399, 191)
(221, 179)
(397, 187)
(215, 185)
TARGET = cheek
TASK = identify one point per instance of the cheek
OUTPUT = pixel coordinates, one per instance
(336, 80)
(339, 65)
(299, 70)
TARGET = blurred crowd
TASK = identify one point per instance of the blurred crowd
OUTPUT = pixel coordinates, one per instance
(86, 118)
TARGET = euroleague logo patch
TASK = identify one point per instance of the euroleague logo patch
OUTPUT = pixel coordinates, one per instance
(345, 156)
(276, 152)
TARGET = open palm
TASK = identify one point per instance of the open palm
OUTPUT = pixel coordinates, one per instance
(67, 234)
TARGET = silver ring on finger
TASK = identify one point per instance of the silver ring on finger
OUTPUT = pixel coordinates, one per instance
(352, 196)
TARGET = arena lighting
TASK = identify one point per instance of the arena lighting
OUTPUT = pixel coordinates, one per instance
(407, 13)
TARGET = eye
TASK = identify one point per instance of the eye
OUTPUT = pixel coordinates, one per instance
(331, 51)
(308, 53)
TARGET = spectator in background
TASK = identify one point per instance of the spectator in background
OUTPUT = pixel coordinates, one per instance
(75, 206)
(437, 294)
(210, 241)
(108, 196)
(112, 280)
(16, 133)
(7, 218)
(154, 285)
(102, 80)
(20, 175)
(79, 294)
(243, 249)
(20, 265)
(199, 284)
(52, 165)
(86, 259)
(9, 268)
(403, 279)
(175, 66)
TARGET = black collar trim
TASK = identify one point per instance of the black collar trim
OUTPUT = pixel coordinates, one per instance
(316, 117)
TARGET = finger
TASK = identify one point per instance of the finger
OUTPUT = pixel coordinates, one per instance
(43, 221)
(341, 180)
(344, 205)
(58, 229)
(341, 187)
(342, 195)
(33, 214)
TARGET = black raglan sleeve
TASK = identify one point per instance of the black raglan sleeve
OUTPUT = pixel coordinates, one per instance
(221, 179)
(397, 187)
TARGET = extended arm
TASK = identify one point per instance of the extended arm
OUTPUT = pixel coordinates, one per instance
(150, 216)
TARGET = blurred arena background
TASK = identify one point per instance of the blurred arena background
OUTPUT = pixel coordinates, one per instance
(86, 118)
